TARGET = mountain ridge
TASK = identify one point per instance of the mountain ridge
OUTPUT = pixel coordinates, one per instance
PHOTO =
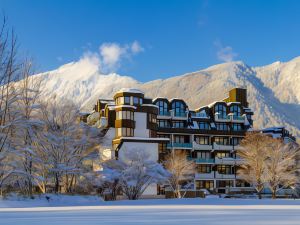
(273, 90)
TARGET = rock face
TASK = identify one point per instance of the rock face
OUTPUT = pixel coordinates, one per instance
(273, 90)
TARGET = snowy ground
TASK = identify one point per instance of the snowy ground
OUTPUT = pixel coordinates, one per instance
(77, 210)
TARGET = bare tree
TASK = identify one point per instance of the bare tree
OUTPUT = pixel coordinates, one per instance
(9, 118)
(254, 153)
(281, 166)
(181, 170)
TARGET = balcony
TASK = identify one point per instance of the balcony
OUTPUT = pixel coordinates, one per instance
(197, 146)
(179, 115)
(204, 175)
(204, 160)
(164, 115)
(226, 161)
(225, 176)
(180, 145)
(222, 118)
(222, 147)
(237, 119)
(200, 115)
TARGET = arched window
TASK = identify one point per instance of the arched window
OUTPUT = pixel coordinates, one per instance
(178, 108)
(162, 107)
(236, 110)
(221, 109)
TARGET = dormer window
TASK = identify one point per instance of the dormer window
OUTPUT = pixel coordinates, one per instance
(221, 109)
(179, 108)
(162, 107)
(236, 110)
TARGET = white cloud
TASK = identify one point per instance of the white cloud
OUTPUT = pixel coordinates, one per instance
(113, 54)
(225, 53)
(136, 47)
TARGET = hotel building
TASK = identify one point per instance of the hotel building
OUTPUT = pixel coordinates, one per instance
(210, 135)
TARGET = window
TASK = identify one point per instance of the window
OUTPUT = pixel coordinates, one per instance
(203, 155)
(136, 100)
(224, 183)
(202, 140)
(204, 168)
(222, 140)
(204, 126)
(178, 108)
(236, 126)
(124, 115)
(181, 139)
(162, 107)
(152, 118)
(222, 126)
(124, 132)
(178, 124)
(221, 109)
(207, 184)
(236, 110)
(225, 169)
(163, 123)
(127, 100)
(223, 155)
(236, 141)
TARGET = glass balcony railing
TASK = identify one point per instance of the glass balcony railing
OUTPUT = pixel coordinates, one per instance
(180, 114)
(164, 113)
(234, 117)
(223, 117)
(180, 145)
(202, 160)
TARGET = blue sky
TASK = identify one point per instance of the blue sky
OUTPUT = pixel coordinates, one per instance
(155, 39)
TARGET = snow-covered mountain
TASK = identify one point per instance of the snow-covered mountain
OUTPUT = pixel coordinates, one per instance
(273, 90)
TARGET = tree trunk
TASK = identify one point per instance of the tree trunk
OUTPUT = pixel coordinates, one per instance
(56, 183)
(273, 193)
(259, 195)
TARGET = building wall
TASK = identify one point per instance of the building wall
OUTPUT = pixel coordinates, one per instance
(141, 125)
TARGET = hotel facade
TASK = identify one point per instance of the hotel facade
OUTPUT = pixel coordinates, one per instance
(209, 135)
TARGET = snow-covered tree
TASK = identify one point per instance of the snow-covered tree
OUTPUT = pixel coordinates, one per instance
(134, 173)
(181, 171)
(25, 135)
(253, 154)
(9, 116)
(65, 141)
(281, 167)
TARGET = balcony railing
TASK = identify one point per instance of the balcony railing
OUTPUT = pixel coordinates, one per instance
(217, 146)
(197, 146)
(180, 145)
(199, 115)
(165, 113)
(203, 160)
(239, 118)
(180, 114)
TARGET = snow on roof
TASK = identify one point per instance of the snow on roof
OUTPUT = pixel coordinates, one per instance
(111, 107)
(150, 105)
(127, 106)
(145, 139)
(230, 103)
(131, 90)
